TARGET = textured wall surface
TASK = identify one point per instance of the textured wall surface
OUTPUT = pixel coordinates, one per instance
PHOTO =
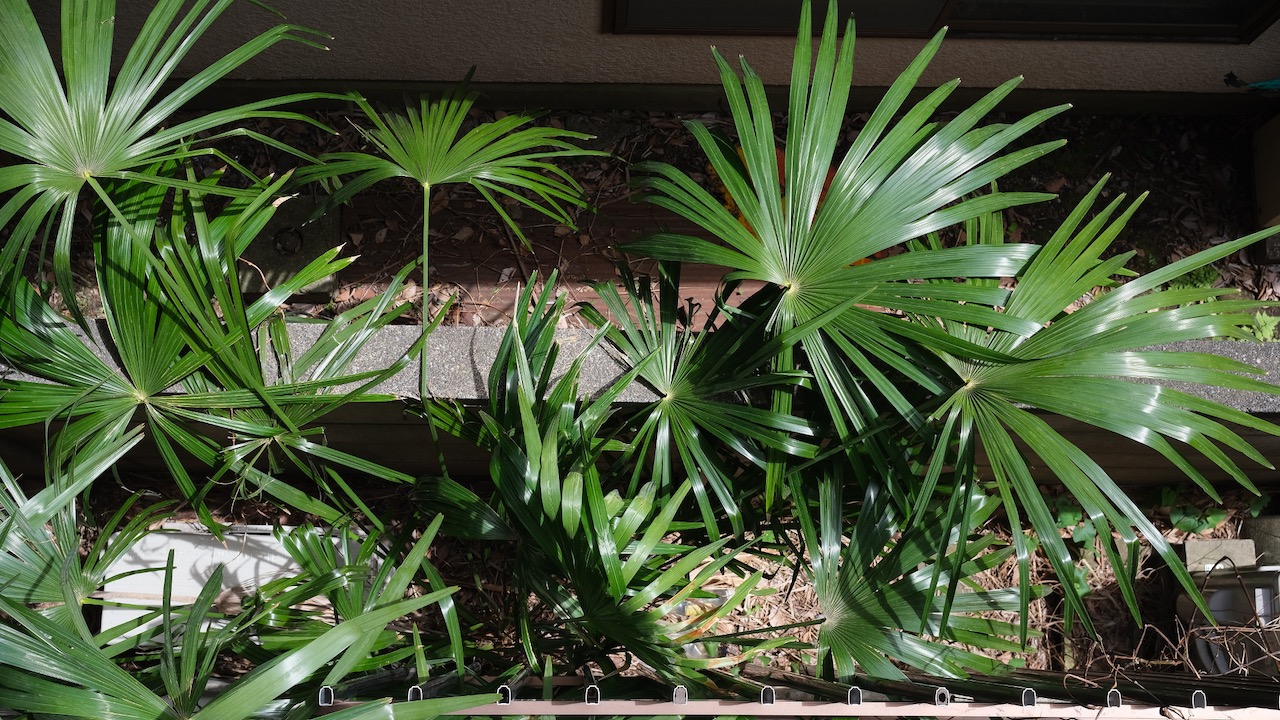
(560, 41)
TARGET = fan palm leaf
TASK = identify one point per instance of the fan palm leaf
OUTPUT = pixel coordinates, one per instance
(899, 180)
(704, 381)
(176, 319)
(877, 590)
(40, 539)
(73, 129)
(506, 159)
(1096, 366)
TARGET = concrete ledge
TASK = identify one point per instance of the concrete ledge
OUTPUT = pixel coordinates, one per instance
(460, 359)
(1264, 356)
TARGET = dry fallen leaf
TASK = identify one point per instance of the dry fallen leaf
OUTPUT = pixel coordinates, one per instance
(411, 293)
(1055, 185)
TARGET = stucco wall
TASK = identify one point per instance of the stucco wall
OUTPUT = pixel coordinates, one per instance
(559, 41)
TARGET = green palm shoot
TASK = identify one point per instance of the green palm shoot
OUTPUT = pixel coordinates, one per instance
(504, 159)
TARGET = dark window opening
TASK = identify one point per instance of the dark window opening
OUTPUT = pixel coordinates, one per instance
(1169, 20)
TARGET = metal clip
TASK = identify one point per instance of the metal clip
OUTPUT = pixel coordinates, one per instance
(593, 694)
(767, 695)
(1028, 697)
(680, 695)
(1113, 698)
(325, 696)
(855, 696)
(1198, 700)
(504, 694)
(415, 693)
(941, 697)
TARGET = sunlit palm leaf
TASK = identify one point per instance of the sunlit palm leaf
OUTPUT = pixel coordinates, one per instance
(74, 129)
(1095, 365)
(899, 180)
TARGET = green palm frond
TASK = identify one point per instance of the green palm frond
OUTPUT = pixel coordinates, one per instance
(808, 238)
(506, 159)
(1095, 365)
(704, 380)
(430, 144)
(50, 670)
(897, 182)
(74, 129)
(40, 539)
(177, 320)
(878, 591)
(601, 559)
(377, 578)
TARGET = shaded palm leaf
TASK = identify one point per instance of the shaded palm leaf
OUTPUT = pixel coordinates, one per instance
(876, 590)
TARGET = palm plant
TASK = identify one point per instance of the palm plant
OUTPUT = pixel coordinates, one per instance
(1095, 365)
(915, 371)
(841, 379)
(51, 671)
(704, 381)
(597, 555)
(175, 316)
(54, 666)
(896, 182)
(73, 127)
(431, 146)
(180, 657)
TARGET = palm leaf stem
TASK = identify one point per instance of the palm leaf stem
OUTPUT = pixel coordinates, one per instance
(426, 307)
